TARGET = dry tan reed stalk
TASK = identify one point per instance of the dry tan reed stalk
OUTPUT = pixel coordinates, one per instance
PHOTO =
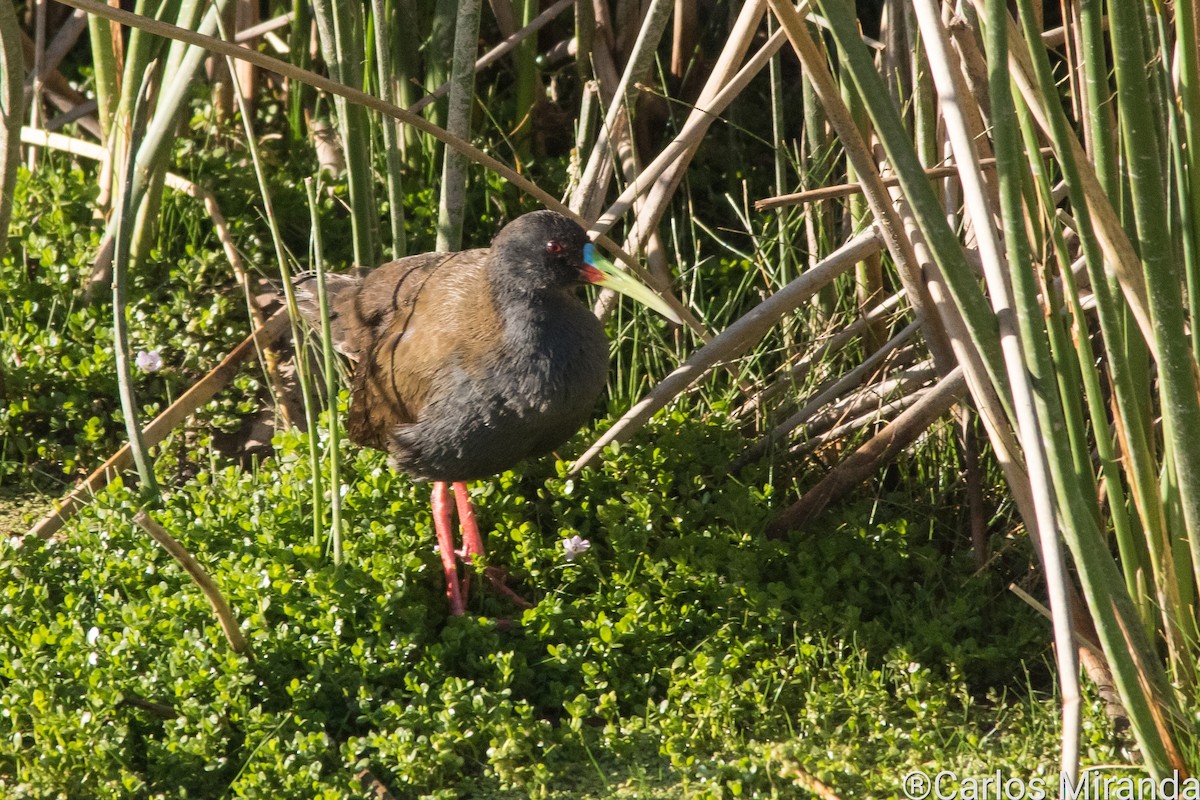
(68, 33)
(233, 632)
(806, 780)
(736, 339)
(862, 412)
(660, 179)
(981, 204)
(866, 460)
(860, 403)
(373, 785)
(828, 394)
(847, 189)
(819, 353)
(615, 136)
(722, 87)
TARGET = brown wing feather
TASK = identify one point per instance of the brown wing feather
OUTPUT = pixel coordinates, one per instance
(403, 357)
(398, 359)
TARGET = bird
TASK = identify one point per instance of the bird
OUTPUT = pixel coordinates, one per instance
(466, 363)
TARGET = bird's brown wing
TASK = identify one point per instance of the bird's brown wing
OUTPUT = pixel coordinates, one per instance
(400, 350)
(402, 323)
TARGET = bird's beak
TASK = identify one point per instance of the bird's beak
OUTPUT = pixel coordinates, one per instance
(600, 271)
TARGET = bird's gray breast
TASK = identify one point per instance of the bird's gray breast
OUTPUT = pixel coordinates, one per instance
(552, 375)
(539, 387)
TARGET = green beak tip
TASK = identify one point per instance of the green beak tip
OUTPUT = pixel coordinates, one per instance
(626, 284)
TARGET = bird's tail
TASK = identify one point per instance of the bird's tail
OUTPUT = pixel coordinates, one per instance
(337, 287)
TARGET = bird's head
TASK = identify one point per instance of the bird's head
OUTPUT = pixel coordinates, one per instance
(545, 250)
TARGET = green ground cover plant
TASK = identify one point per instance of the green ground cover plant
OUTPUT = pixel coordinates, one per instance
(681, 655)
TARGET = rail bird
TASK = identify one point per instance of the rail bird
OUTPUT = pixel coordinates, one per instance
(467, 363)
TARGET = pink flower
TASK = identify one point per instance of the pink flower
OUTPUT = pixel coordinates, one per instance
(575, 546)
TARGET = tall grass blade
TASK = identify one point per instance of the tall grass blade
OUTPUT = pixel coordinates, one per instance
(303, 373)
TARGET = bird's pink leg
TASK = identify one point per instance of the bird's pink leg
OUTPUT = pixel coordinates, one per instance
(472, 541)
(473, 545)
(445, 538)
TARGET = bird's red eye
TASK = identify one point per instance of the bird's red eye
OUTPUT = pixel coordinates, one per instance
(555, 247)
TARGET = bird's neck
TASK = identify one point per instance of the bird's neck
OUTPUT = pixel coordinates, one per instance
(529, 316)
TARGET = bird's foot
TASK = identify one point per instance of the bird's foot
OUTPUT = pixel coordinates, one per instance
(497, 578)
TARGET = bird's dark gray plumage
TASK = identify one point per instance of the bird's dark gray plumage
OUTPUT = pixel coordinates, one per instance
(469, 362)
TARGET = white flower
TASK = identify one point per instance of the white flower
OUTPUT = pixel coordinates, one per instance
(149, 361)
(575, 546)
(93, 635)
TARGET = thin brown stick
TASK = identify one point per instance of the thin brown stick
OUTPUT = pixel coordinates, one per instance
(58, 47)
(161, 425)
(204, 581)
(847, 189)
(157, 709)
(808, 781)
(818, 353)
(826, 395)
(863, 462)
(374, 785)
(910, 394)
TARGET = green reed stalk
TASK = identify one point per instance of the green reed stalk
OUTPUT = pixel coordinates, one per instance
(525, 62)
(1187, 28)
(453, 200)
(390, 128)
(299, 93)
(340, 29)
(1176, 366)
(121, 262)
(12, 106)
(331, 380)
(1054, 479)
(1137, 672)
(104, 71)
